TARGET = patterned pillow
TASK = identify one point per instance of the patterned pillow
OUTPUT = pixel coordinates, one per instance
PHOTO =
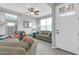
(28, 39)
(20, 35)
(26, 42)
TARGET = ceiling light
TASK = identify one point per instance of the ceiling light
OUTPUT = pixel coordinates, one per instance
(31, 12)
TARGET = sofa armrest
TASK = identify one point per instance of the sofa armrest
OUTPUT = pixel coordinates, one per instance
(33, 48)
(12, 50)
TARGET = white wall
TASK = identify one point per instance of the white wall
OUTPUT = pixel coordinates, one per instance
(38, 24)
(21, 18)
(53, 23)
(53, 26)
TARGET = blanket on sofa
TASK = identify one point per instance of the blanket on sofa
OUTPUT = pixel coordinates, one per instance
(26, 42)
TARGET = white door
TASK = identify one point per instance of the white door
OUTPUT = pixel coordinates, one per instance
(67, 28)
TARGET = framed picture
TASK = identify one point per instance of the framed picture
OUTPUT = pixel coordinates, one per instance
(27, 24)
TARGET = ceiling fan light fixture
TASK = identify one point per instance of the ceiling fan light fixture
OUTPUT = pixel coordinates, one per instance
(31, 12)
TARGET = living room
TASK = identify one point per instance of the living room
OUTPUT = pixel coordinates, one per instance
(33, 29)
(28, 18)
(39, 29)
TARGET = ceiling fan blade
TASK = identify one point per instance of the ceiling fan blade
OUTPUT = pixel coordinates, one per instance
(31, 9)
(37, 11)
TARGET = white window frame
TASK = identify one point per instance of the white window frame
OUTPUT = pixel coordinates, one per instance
(46, 26)
(67, 10)
(10, 17)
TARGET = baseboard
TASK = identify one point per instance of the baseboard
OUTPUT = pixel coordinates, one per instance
(53, 46)
(68, 51)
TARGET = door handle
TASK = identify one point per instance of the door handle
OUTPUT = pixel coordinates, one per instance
(78, 34)
(57, 31)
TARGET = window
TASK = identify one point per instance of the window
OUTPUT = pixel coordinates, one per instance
(10, 24)
(49, 24)
(67, 10)
(10, 17)
(43, 24)
(46, 24)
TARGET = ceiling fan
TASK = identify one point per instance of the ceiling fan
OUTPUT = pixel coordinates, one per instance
(31, 11)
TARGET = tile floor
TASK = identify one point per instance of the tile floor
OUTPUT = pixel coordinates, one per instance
(44, 48)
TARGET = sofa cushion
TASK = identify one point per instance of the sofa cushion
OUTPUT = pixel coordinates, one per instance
(43, 32)
(44, 36)
(12, 50)
(46, 32)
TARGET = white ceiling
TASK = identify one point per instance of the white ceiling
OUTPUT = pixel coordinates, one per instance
(44, 8)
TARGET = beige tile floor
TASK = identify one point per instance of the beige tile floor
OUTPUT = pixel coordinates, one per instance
(44, 48)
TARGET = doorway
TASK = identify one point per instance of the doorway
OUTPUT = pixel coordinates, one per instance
(66, 33)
